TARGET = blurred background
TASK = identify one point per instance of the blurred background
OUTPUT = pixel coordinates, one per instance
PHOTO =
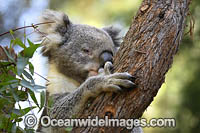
(179, 96)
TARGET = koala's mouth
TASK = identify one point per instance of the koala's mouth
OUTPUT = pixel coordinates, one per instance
(92, 73)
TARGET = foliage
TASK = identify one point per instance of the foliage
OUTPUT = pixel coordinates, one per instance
(16, 84)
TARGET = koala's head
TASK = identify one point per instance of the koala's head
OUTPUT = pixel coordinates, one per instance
(77, 50)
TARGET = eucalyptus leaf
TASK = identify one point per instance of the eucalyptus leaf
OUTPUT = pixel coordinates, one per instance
(42, 100)
(4, 63)
(26, 110)
(18, 120)
(27, 84)
(11, 32)
(28, 75)
(31, 44)
(15, 96)
(14, 128)
(31, 68)
(8, 82)
(16, 111)
(38, 87)
(32, 94)
(21, 63)
(68, 129)
(22, 95)
(28, 52)
(8, 55)
(19, 42)
(14, 85)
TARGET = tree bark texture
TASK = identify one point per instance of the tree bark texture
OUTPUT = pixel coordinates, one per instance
(147, 53)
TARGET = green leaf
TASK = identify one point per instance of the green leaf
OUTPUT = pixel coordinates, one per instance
(14, 128)
(4, 63)
(31, 85)
(32, 94)
(38, 87)
(31, 68)
(42, 100)
(26, 110)
(19, 42)
(9, 82)
(17, 112)
(14, 85)
(28, 52)
(21, 63)
(14, 115)
(11, 32)
(50, 101)
(18, 120)
(15, 96)
(30, 43)
(68, 129)
(28, 75)
(5, 98)
(29, 130)
(3, 121)
(8, 55)
(23, 96)
(27, 84)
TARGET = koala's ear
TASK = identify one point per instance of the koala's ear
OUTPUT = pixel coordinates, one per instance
(113, 32)
(53, 31)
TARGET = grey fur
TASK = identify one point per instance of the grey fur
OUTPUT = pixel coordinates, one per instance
(75, 51)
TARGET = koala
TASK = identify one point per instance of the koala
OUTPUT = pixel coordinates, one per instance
(80, 63)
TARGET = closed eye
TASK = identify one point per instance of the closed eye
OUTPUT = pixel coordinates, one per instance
(87, 51)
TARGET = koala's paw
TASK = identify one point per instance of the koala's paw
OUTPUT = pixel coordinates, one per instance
(118, 82)
(107, 69)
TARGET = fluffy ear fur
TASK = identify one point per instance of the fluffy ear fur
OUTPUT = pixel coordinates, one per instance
(114, 34)
(51, 34)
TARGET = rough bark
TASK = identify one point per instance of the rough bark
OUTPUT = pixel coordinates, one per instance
(147, 53)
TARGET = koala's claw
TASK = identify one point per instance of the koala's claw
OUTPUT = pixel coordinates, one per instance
(119, 81)
(124, 83)
(107, 67)
(124, 75)
(116, 81)
(113, 88)
(107, 70)
(119, 84)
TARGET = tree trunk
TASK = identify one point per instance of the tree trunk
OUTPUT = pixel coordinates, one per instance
(147, 53)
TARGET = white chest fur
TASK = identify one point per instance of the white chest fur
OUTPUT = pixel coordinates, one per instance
(58, 82)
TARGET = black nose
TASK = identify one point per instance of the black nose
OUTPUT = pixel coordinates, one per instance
(104, 57)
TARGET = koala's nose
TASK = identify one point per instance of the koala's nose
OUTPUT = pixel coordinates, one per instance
(104, 57)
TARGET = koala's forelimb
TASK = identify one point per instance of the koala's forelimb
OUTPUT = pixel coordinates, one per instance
(68, 105)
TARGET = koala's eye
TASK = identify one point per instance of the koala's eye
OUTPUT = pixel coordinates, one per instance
(85, 50)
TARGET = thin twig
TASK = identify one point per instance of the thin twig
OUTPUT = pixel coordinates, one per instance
(42, 76)
(24, 33)
(30, 26)
(39, 75)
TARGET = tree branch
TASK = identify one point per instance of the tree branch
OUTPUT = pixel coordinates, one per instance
(157, 31)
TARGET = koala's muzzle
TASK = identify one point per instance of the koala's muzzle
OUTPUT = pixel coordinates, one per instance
(104, 57)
